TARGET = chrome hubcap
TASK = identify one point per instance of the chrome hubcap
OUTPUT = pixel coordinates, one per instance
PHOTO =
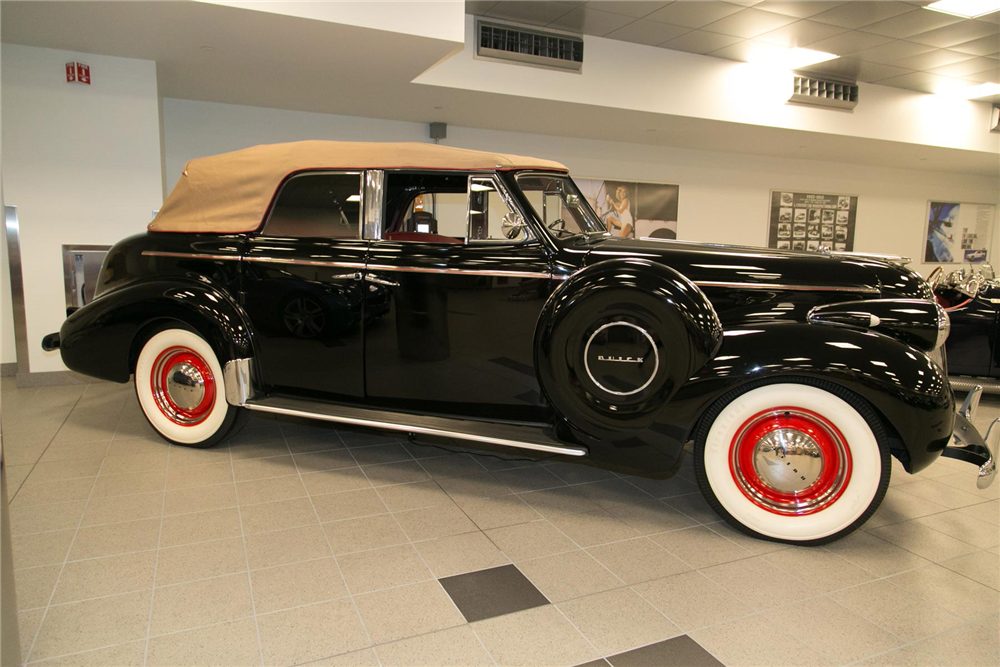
(788, 460)
(185, 385)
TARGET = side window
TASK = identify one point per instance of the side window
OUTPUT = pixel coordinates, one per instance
(490, 218)
(317, 206)
(447, 207)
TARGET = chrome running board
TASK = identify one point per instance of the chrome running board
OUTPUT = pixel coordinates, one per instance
(967, 383)
(504, 434)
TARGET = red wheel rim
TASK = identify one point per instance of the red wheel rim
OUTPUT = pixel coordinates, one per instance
(790, 461)
(183, 386)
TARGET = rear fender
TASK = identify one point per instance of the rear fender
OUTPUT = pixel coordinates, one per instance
(97, 339)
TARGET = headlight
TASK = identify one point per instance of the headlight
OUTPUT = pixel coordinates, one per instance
(917, 322)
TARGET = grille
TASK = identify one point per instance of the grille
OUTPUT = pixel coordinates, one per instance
(520, 45)
(821, 93)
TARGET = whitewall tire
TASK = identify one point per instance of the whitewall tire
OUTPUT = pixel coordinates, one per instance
(795, 462)
(181, 389)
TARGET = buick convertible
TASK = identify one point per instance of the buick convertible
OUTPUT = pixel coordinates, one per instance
(442, 292)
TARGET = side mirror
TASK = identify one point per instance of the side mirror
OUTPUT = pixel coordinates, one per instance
(512, 225)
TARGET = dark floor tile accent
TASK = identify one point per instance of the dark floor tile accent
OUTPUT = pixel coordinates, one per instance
(492, 592)
(680, 651)
(595, 663)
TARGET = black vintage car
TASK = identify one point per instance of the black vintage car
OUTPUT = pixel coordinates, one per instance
(442, 292)
(972, 300)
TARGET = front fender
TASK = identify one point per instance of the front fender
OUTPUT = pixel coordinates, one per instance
(907, 388)
(97, 339)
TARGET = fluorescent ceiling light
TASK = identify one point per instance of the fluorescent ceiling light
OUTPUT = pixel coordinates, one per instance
(982, 90)
(791, 58)
(969, 9)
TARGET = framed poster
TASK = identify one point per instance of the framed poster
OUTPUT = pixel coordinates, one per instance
(957, 232)
(808, 221)
(631, 209)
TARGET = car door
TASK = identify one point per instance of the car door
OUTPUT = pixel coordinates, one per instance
(303, 287)
(457, 315)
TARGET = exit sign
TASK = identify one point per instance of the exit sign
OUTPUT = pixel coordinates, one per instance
(78, 72)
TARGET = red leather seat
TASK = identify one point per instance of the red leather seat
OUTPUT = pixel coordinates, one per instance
(421, 237)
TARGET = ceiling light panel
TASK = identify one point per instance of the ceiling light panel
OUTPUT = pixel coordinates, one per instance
(982, 90)
(969, 9)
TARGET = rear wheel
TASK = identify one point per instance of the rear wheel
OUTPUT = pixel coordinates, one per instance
(795, 462)
(181, 390)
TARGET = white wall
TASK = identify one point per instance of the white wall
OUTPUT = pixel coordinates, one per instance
(440, 20)
(82, 164)
(634, 76)
(724, 197)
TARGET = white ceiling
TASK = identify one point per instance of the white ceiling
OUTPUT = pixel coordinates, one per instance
(270, 60)
(886, 42)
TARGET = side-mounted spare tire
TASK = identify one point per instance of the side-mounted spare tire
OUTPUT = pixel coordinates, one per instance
(617, 340)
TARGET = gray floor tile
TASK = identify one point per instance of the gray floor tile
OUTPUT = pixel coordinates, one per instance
(679, 651)
(488, 593)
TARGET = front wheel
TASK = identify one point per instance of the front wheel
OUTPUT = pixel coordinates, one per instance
(181, 390)
(793, 462)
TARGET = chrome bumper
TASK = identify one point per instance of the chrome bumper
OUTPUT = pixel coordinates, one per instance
(968, 445)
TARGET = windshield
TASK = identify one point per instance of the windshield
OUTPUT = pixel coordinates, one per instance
(559, 205)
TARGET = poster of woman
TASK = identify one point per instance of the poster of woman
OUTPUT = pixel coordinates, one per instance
(630, 209)
(941, 232)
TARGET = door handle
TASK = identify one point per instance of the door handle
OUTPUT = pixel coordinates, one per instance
(382, 281)
(347, 276)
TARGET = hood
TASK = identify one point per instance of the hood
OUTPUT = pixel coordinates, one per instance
(725, 266)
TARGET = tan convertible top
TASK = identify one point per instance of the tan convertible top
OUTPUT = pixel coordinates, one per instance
(231, 192)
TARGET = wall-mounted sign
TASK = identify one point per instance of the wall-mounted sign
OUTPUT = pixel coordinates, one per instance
(809, 221)
(630, 209)
(77, 73)
(958, 232)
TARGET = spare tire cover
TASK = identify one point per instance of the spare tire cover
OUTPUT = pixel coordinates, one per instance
(613, 347)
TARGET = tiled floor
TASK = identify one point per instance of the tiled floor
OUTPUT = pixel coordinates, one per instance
(299, 544)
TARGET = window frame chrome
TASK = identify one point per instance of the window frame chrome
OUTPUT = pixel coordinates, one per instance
(512, 204)
(373, 204)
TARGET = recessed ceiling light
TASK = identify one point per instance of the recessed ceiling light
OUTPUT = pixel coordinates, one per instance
(791, 58)
(982, 90)
(969, 9)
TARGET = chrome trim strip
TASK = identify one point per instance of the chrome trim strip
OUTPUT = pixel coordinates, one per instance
(399, 269)
(395, 426)
(306, 262)
(13, 231)
(191, 255)
(467, 272)
(239, 383)
(787, 287)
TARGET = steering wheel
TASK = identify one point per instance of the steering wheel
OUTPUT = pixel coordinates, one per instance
(935, 278)
(559, 226)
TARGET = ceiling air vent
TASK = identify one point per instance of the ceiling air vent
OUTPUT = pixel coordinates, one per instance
(821, 93)
(498, 41)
